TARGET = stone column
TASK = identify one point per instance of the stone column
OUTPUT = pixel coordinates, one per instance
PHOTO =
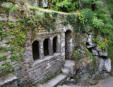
(63, 45)
(71, 47)
(41, 49)
(50, 45)
(58, 44)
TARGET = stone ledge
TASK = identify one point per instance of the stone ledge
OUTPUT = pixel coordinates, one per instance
(46, 58)
(7, 79)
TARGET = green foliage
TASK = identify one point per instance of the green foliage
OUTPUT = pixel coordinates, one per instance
(101, 22)
(110, 6)
(14, 8)
(81, 22)
(71, 19)
(64, 5)
(76, 55)
(39, 14)
(48, 22)
(103, 44)
(11, 25)
(86, 1)
(91, 56)
(110, 52)
(2, 31)
(19, 38)
(98, 23)
(98, 4)
(6, 67)
(15, 57)
(87, 15)
(81, 18)
(10, 7)
(3, 58)
(4, 49)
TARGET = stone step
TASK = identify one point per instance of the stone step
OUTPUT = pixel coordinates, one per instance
(65, 71)
(55, 81)
(69, 64)
(68, 86)
(8, 80)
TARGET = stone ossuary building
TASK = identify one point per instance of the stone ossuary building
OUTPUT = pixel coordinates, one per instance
(46, 53)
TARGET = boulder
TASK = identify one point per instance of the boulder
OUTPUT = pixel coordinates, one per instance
(95, 52)
(101, 64)
(92, 46)
(8, 80)
(108, 65)
(103, 54)
(105, 64)
(98, 49)
(89, 41)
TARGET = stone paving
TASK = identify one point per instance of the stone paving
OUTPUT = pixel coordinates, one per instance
(108, 82)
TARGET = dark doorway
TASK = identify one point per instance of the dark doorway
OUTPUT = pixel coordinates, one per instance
(46, 47)
(55, 44)
(68, 42)
(35, 50)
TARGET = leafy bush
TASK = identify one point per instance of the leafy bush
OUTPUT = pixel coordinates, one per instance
(88, 15)
(86, 1)
(98, 23)
(76, 55)
(64, 5)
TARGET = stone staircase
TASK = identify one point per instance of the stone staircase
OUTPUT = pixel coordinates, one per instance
(67, 71)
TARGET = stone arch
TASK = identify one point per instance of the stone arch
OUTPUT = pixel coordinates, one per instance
(46, 47)
(35, 50)
(68, 44)
(55, 39)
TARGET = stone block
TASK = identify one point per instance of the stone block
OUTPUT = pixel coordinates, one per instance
(65, 71)
(8, 80)
(108, 65)
(91, 46)
(103, 54)
(95, 52)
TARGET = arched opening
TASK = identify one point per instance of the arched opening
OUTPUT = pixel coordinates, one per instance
(68, 44)
(55, 44)
(46, 47)
(35, 50)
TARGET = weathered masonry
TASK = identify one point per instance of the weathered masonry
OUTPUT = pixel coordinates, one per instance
(45, 54)
(44, 51)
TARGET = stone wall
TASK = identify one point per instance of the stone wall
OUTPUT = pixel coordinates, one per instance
(39, 69)
(43, 67)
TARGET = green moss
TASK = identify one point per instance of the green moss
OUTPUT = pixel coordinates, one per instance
(6, 67)
(3, 58)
